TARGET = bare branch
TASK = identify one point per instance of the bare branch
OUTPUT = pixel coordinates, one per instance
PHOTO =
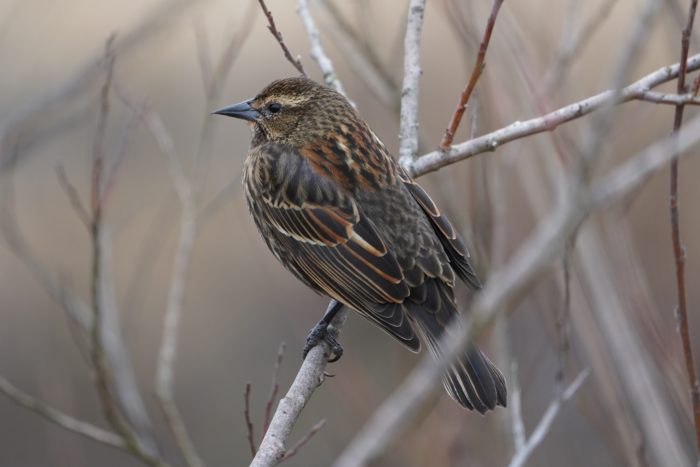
(408, 133)
(490, 141)
(317, 53)
(477, 69)
(671, 99)
(175, 304)
(248, 420)
(296, 62)
(305, 439)
(515, 404)
(274, 388)
(546, 421)
(678, 246)
(59, 418)
(574, 42)
(72, 195)
(104, 315)
(310, 376)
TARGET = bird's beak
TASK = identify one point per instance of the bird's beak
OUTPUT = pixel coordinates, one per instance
(241, 110)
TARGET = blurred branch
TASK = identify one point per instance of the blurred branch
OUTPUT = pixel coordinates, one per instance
(545, 424)
(549, 122)
(572, 44)
(296, 62)
(317, 52)
(104, 314)
(678, 246)
(533, 258)
(361, 57)
(515, 403)
(61, 419)
(248, 422)
(174, 308)
(13, 132)
(72, 195)
(408, 133)
(473, 78)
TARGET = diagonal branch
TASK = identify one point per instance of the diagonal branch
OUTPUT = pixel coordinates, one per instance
(61, 419)
(548, 122)
(311, 374)
(526, 449)
(296, 62)
(473, 78)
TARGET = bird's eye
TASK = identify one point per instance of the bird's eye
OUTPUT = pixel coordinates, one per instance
(274, 107)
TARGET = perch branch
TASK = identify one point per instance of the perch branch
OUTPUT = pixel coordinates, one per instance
(272, 448)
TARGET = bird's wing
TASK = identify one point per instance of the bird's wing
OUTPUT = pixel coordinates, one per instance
(451, 241)
(337, 248)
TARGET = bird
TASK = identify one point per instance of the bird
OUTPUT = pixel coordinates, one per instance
(337, 210)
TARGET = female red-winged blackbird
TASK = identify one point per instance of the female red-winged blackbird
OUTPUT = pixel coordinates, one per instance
(336, 209)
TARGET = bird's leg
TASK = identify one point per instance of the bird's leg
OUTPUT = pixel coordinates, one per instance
(320, 332)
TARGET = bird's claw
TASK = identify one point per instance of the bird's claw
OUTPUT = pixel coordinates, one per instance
(320, 333)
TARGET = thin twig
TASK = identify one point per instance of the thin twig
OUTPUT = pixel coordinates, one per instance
(73, 196)
(546, 421)
(517, 130)
(304, 439)
(408, 132)
(573, 44)
(61, 419)
(678, 246)
(296, 62)
(317, 53)
(670, 99)
(274, 388)
(308, 378)
(248, 420)
(477, 69)
(165, 371)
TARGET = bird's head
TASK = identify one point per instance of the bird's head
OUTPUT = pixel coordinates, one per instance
(292, 110)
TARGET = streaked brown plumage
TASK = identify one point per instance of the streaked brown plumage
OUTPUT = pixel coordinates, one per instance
(338, 211)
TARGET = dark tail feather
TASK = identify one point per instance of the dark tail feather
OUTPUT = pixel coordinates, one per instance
(472, 380)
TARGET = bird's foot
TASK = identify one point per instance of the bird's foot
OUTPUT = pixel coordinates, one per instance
(320, 333)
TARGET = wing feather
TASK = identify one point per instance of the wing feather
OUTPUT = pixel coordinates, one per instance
(334, 246)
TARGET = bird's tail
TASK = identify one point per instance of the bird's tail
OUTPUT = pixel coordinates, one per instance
(472, 380)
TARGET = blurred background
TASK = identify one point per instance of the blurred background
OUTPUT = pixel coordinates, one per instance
(615, 316)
